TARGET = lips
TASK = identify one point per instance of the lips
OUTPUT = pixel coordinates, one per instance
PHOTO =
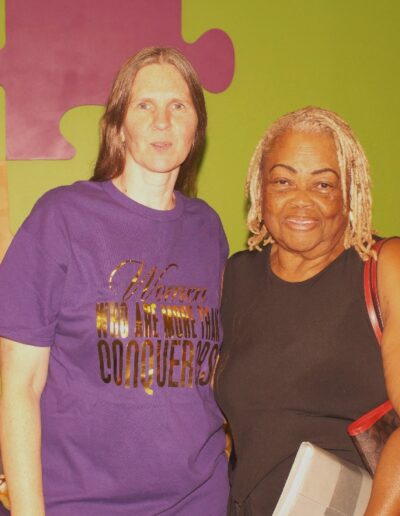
(161, 146)
(301, 223)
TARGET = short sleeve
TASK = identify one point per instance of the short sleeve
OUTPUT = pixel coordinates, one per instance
(32, 277)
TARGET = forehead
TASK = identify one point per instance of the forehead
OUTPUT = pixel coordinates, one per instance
(159, 78)
(304, 147)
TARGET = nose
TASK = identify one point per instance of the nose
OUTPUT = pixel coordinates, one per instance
(161, 118)
(302, 199)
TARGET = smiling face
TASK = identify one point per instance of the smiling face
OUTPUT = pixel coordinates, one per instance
(161, 120)
(302, 196)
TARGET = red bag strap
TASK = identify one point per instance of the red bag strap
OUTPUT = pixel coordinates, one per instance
(371, 291)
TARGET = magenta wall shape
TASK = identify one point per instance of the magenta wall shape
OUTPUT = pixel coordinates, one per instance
(64, 53)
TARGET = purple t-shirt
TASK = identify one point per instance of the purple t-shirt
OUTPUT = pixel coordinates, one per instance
(127, 297)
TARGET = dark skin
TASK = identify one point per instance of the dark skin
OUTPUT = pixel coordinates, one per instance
(303, 211)
(303, 204)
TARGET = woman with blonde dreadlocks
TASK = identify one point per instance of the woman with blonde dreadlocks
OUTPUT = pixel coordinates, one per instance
(300, 360)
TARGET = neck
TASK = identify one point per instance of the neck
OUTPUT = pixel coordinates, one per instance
(152, 189)
(299, 266)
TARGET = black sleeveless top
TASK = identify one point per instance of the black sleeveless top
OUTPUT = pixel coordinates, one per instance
(299, 363)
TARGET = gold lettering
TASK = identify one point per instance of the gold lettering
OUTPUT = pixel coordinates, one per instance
(151, 275)
(123, 321)
(147, 320)
(201, 354)
(102, 345)
(138, 322)
(148, 284)
(114, 319)
(212, 360)
(130, 290)
(168, 321)
(118, 360)
(150, 320)
(186, 322)
(128, 367)
(200, 292)
(101, 319)
(173, 362)
(162, 369)
(177, 321)
(147, 382)
(156, 288)
(187, 363)
(205, 321)
(189, 311)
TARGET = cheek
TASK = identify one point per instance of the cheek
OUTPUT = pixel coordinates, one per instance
(188, 130)
(332, 207)
(131, 131)
(272, 203)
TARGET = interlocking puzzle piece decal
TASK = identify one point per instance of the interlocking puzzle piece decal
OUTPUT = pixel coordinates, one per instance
(65, 53)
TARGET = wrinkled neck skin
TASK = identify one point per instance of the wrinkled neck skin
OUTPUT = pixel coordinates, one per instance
(152, 189)
(295, 266)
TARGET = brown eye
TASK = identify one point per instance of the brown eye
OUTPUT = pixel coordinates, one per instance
(144, 106)
(281, 181)
(324, 186)
(178, 106)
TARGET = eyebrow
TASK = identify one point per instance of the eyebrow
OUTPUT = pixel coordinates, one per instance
(314, 172)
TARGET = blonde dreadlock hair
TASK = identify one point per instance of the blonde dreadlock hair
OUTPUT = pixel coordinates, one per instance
(354, 174)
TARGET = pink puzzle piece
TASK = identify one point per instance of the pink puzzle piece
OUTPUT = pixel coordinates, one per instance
(65, 53)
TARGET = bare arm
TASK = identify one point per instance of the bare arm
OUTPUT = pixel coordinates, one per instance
(385, 499)
(23, 376)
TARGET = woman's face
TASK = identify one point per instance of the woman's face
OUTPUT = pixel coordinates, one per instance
(302, 201)
(161, 120)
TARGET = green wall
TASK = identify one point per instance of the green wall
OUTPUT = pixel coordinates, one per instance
(339, 54)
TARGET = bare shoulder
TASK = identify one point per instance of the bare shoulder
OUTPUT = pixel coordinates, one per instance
(389, 258)
(389, 277)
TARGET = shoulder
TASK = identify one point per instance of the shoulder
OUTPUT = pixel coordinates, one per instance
(244, 259)
(196, 206)
(389, 256)
(391, 246)
(389, 277)
(201, 211)
(53, 210)
(64, 198)
(207, 220)
(243, 266)
(64, 195)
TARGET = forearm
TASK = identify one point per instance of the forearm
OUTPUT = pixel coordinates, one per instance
(20, 442)
(385, 497)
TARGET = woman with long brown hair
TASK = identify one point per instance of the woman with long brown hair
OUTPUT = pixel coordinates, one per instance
(109, 300)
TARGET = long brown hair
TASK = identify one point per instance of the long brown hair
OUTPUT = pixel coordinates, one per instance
(111, 158)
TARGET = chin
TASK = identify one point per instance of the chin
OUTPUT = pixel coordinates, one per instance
(160, 169)
(301, 244)
(163, 167)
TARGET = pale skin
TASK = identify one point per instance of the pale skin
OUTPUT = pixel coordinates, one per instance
(303, 211)
(159, 130)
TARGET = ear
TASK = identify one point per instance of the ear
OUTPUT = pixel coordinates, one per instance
(122, 136)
